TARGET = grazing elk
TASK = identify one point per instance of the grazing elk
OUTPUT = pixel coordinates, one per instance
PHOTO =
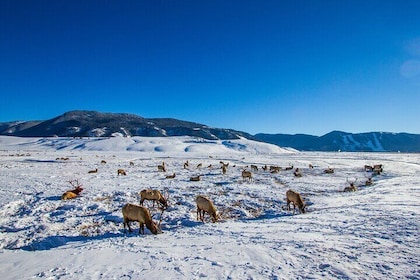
(121, 172)
(205, 205)
(352, 186)
(296, 199)
(93, 171)
(154, 195)
(73, 193)
(246, 175)
(162, 167)
(136, 213)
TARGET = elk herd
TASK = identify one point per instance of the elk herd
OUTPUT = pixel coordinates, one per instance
(204, 205)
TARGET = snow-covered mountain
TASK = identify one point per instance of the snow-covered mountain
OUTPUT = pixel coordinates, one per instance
(343, 141)
(97, 124)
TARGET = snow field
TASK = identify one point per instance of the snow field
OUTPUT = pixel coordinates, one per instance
(370, 233)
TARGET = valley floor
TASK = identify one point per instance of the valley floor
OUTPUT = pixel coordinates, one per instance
(372, 233)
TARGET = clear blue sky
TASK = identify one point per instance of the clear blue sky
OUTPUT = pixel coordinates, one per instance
(256, 66)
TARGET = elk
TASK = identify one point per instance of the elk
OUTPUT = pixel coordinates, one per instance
(103, 162)
(254, 168)
(296, 199)
(224, 167)
(275, 169)
(136, 213)
(73, 193)
(131, 163)
(368, 182)
(378, 169)
(368, 168)
(196, 178)
(199, 165)
(204, 204)
(93, 171)
(329, 170)
(297, 173)
(186, 164)
(246, 174)
(265, 168)
(154, 195)
(170, 176)
(289, 167)
(162, 167)
(352, 187)
(311, 166)
(121, 172)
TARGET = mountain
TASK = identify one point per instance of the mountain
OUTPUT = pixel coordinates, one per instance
(346, 142)
(97, 124)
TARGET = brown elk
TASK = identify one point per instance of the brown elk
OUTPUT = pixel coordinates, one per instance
(131, 163)
(368, 168)
(289, 167)
(170, 176)
(296, 199)
(93, 171)
(352, 186)
(329, 170)
(246, 175)
(136, 213)
(196, 178)
(162, 167)
(205, 205)
(121, 172)
(73, 193)
(155, 196)
(369, 181)
(378, 169)
(297, 173)
(275, 169)
(224, 167)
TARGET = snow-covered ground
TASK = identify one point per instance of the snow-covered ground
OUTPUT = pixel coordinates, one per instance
(372, 233)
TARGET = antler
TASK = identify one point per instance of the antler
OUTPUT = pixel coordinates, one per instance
(75, 183)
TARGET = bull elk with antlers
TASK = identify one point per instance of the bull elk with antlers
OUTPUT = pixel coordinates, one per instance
(73, 193)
